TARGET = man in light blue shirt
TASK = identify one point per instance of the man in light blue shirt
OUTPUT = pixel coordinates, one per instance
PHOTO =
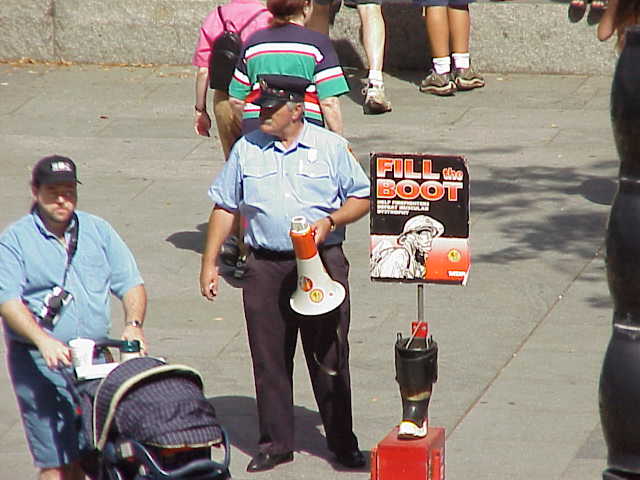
(58, 269)
(285, 169)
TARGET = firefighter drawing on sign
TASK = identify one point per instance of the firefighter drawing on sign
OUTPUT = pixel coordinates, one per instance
(407, 257)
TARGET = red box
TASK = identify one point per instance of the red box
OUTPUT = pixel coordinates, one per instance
(419, 459)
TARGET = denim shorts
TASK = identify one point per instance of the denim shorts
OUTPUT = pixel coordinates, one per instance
(45, 406)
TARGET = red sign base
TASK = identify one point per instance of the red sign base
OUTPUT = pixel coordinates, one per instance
(419, 459)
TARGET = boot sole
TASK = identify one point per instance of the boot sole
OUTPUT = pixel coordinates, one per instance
(409, 430)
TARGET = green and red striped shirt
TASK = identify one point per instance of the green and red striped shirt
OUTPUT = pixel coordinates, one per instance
(289, 50)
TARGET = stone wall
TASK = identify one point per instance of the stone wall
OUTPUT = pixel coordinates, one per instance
(530, 36)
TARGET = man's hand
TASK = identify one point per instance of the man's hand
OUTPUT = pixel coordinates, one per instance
(131, 332)
(22, 321)
(321, 230)
(134, 302)
(54, 352)
(202, 123)
(220, 224)
(209, 281)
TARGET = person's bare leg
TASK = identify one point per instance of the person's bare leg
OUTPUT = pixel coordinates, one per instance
(436, 21)
(373, 34)
(319, 19)
(51, 474)
(229, 129)
(438, 82)
(373, 39)
(465, 77)
(459, 28)
(66, 472)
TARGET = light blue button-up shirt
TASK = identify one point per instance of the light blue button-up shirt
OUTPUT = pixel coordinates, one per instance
(270, 184)
(33, 260)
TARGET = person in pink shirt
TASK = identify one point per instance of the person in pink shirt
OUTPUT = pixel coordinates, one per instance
(236, 14)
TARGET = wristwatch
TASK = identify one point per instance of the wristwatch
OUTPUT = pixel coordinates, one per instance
(200, 110)
(333, 223)
(133, 323)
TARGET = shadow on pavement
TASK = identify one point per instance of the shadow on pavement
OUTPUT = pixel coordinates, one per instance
(508, 191)
(193, 240)
(598, 190)
(237, 414)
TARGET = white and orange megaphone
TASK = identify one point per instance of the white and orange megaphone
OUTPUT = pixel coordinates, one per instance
(317, 293)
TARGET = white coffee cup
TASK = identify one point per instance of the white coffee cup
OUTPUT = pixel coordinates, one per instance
(82, 351)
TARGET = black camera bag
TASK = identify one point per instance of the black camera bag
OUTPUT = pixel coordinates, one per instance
(225, 51)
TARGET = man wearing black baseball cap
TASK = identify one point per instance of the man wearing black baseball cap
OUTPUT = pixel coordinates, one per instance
(58, 267)
(288, 168)
(54, 169)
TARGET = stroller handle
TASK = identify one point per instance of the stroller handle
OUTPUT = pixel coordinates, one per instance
(122, 345)
(108, 342)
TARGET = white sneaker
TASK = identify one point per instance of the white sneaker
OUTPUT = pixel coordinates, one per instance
(375, 101)
(409, 430)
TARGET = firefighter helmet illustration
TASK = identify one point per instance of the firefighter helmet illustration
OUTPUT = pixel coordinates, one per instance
(406, 259)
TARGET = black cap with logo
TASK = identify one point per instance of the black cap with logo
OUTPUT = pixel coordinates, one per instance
(54, 169)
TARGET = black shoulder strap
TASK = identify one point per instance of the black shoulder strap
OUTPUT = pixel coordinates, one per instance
(253, 17)
(72, 245)
(224, 22)
(73, 237)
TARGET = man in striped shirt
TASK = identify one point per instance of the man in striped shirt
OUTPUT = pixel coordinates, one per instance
(295, 51)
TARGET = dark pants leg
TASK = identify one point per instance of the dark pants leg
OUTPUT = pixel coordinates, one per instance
(272, 329)
(272, 340)
(327, 337)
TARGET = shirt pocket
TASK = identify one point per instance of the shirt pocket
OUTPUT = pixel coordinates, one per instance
(260, 183)
(314, 184)
(94, 272)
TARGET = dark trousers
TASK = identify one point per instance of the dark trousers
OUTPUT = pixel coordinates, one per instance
(273, 330)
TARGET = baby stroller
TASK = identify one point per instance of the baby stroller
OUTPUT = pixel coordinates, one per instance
(147, 420)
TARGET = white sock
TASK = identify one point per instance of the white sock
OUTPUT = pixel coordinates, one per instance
(375, 78)
(461, 60)
(442, 65)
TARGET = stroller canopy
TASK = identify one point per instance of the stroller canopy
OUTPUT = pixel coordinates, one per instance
(154, 403)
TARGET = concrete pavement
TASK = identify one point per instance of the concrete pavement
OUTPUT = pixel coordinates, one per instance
(520, 346)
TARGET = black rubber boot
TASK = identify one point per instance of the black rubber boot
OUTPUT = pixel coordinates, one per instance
(416, 372)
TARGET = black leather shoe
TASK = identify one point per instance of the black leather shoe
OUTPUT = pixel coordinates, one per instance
(352, 459)
(266, 461)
